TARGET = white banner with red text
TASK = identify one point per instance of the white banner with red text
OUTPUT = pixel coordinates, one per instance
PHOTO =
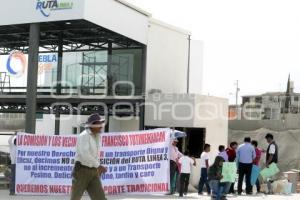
(136, 162)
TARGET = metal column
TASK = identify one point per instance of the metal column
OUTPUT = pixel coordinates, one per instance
(107, 123)
(109, 70)
(143, 86)
(32, 75)
(142, 117)
(59, 77)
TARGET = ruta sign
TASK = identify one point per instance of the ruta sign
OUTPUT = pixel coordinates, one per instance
(47, 6)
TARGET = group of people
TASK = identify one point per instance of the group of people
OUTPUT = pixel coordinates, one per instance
(244, 155)
(87, 167)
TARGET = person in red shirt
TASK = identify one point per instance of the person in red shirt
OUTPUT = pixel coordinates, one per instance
(231, 152)
(256, 161)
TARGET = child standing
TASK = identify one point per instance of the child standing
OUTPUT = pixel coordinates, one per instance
(186, 162)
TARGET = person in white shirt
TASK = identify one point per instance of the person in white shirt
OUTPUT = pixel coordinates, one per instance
(186, 163)
(87, 167)
(204, 170)
(12, 141)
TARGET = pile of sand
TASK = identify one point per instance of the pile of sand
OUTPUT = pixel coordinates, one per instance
(287, 141)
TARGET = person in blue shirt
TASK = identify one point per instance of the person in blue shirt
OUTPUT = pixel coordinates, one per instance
(245, 156)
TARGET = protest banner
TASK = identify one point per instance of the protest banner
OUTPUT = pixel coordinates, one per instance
(229, 170)
(137, 162)
(269, 171)
(44, 164)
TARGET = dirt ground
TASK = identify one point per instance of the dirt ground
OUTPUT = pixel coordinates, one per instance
(4, 196)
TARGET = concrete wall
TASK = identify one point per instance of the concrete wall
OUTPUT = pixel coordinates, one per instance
(190, 111)
(287, 122)
(212, 113)
(170, 110)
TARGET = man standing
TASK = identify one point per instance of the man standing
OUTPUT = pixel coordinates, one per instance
(231, 152)
(272, 151)
(223, 153)
(186, 164)
(245, 156)
(272, 156)
(87, 167)
(174, 157)
(256, 161)
(12, 141)
(204, 162)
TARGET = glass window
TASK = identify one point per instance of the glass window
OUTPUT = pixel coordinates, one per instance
(85, 71)
(296, 98)
(258, 99)
(246, 100)
(127, 66)
(94, 73)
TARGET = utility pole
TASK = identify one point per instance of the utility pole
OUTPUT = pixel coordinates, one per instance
(236, 97)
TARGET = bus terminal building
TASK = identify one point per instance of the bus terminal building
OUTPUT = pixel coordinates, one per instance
(63, 60)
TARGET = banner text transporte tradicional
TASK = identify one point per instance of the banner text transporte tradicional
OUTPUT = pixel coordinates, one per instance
(137, 162)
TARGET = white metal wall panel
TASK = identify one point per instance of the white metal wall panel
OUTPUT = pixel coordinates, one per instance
(25, 11)
(167, 59)
(196, 67)
(118, 18)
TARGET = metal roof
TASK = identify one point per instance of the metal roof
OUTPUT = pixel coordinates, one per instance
(77, 35)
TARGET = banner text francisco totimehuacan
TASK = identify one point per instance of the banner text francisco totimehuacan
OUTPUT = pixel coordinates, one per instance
(44, 140)
(133, 139)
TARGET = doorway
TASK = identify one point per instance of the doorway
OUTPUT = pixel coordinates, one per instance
(194, 142)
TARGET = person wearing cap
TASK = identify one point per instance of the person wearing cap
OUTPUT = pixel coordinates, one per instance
(87, 167)
(174, 157)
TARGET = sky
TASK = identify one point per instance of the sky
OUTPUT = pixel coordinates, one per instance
(254, 41)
